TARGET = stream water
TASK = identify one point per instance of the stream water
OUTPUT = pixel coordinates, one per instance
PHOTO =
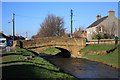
(82, 68)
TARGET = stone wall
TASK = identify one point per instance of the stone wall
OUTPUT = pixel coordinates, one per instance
(102, 41)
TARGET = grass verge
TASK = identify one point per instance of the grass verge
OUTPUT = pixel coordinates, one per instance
(14, 65)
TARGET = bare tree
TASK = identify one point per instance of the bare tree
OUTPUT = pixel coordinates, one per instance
(51, 26)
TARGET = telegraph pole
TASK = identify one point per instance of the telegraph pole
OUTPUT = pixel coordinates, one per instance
(13, 23)
(71, 21)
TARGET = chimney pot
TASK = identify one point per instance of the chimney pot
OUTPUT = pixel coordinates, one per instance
(98, 17)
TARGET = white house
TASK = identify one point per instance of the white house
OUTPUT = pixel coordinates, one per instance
(103, 24)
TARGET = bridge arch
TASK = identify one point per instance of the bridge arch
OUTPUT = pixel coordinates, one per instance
(68, 45)
(64, 52)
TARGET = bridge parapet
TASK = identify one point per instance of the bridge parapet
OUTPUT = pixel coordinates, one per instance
(55, 41)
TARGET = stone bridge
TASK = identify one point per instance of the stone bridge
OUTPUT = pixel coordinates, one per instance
(72, 45)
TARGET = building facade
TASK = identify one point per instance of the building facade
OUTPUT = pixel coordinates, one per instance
(106, 25)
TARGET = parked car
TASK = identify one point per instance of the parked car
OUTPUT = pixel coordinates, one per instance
(3, 43)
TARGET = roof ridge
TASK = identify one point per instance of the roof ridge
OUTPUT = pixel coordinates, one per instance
(97, 22)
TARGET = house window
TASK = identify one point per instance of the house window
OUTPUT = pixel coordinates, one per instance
(99, 29)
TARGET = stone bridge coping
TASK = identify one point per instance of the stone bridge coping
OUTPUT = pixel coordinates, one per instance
(56, 41)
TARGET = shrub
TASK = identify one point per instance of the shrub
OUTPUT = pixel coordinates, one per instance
(102, 36)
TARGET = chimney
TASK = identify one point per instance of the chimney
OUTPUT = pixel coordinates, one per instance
(111, 13)
(98, 17)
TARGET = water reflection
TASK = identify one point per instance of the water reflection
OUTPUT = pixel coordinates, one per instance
(82, 68)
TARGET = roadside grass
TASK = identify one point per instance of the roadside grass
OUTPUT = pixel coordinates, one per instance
(14, 65)
(110, 58)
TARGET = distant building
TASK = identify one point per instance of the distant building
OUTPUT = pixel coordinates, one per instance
(9, 38)
(17, 37)
(2, 35)
(77, 33)
(107, 24)
(66, 35)
(84, 34)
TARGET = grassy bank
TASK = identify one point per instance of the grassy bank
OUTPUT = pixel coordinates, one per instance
(90, 53)
(109, 58)
(15, 65)
(51, 51)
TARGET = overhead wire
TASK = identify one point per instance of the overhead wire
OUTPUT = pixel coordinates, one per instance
(35, 17)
